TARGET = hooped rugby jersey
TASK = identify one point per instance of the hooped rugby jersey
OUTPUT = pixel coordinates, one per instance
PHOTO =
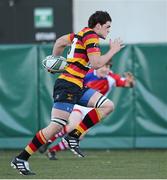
(103, 85)
(84, 43)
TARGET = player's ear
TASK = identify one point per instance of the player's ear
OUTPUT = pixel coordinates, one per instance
(98, 26)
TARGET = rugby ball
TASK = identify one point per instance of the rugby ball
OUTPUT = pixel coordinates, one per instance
(54, 64)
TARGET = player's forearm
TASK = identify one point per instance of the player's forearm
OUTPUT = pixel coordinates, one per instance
(99, 61)
(106, 58)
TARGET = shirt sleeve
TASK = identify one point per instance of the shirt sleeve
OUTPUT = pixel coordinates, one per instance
(71, 37)
(119, 81)
(91, 42)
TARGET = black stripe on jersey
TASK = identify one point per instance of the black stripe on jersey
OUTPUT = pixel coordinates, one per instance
(81, 66)
(92, 45)
(78, 37)
(81, 51)
(89, 32)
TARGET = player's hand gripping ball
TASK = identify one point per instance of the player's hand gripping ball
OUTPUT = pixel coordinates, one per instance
(54, 64)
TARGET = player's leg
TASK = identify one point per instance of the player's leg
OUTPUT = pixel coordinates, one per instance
(59, 118)
(74, 119)
(44, 147)
(102, 107)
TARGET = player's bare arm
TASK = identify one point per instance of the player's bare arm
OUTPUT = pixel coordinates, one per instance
(60, 44)
(98, 61)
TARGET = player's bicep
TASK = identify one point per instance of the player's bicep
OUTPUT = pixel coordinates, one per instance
(60, 44)
(64, 40)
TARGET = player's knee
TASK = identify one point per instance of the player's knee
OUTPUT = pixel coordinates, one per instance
(109, 107)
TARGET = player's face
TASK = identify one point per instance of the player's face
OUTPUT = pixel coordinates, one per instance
(105, 29)
(103, 71)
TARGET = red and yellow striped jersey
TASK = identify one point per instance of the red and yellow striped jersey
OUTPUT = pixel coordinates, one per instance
(83, 43)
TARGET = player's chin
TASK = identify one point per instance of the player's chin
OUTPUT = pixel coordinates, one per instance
(105, 36)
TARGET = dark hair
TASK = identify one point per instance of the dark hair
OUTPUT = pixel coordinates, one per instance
(100, 17)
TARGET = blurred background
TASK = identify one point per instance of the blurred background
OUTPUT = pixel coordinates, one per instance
(28, 30)
(33, 21)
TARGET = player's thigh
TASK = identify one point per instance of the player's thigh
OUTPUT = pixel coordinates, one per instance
(61, 110)
(59, 114)
(102, 103)
(92, 98)
(97, 100)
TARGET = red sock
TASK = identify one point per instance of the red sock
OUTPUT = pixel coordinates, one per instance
(92, 118)
(60, 134)
(59, 147)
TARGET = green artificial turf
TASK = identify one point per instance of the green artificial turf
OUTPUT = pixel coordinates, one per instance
(98, 164)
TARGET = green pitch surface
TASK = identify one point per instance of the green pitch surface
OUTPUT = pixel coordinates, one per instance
(113, 164)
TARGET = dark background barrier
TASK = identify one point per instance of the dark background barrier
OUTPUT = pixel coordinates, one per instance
(140, 116)
(29, 21)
